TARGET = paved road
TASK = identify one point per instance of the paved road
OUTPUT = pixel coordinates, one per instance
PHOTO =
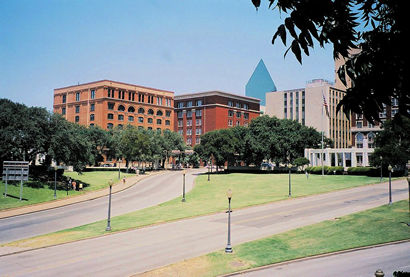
(143, 249)
(148, 192)
(361, 263)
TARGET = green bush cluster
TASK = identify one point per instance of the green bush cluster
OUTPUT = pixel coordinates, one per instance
(328, 170)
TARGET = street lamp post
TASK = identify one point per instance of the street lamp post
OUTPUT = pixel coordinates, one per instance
(119, 169)
(109, 208)
(381, 168)
(209, 171)
(55, 182)
(290, 183)
(228, 248)
(390, 170)
(183, 186)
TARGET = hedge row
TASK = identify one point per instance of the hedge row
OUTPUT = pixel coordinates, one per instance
(334, 170)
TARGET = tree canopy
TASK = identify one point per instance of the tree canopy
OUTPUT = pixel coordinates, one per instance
(266, 138)
(379, 71)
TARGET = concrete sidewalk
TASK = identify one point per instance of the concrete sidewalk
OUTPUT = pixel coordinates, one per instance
(117, 187)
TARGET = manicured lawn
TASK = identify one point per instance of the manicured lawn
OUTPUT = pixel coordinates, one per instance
(96, 179)
(375, 226)
(209, 197)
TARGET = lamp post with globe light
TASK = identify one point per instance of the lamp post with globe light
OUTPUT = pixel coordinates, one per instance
(228, 248)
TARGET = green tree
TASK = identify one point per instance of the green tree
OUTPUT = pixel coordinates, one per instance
(69, 143)
(393, 143)
(377, 27)
(101, 143)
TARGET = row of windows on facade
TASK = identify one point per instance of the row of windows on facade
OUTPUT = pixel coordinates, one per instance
(198, 132)
(130, 119)
(111, 125)
(198, 103)
(359, 139)
(189, 141)
(198, 122)
(121, 95)
(198, 113)
(141, 97)
(131, 109)
(122, 108)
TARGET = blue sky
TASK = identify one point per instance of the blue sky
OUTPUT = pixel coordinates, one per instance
(182, 46)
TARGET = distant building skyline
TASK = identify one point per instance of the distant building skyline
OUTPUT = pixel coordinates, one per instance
(260, 83)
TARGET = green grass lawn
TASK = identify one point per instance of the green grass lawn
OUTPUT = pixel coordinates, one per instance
(374, 226)
(96, 179)
(210, 197)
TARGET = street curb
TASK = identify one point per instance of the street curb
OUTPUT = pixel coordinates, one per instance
(73, 198)
(100, 236)
(314, 257)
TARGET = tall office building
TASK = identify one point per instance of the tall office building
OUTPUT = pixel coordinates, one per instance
(198, 113)
(306, 106)
(260, 83)
(109, 104)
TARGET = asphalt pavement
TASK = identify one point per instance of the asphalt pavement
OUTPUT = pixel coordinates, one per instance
(147, 192)
(143, 249)
(360, 263)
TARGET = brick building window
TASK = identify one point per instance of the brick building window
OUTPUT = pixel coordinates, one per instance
(140, 119)
(111, 106)
(92, 94)
(110, 125)
(121, 117)
(110, 116)
(150, 120)
(199, 102)
(77, 96)
(198, 113)
(63, 111)
(77, 119)
(92, 117)
(167, 113)
(92, 107)
(188, 113)
(159, 113)
(180, 123)
(130, 118)
(230, 113)
(151, 112)
(121, 108)
(246, 116)
(141, 111)
(77, 109)
(230, 122)
(167, 122)
(159, 121)
(198, 122)
(64, 98)
(131, 109)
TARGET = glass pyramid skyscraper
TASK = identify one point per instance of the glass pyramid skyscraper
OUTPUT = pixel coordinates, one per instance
(260, 83)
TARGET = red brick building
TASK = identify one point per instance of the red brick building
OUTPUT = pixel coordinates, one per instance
(109, 104)
(198, 113)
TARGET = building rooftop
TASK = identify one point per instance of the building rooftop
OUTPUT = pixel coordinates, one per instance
(112, 82)
(216, 92)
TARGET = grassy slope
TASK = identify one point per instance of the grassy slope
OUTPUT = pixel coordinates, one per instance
(208, 197)
(374, 226)
(96, 179)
